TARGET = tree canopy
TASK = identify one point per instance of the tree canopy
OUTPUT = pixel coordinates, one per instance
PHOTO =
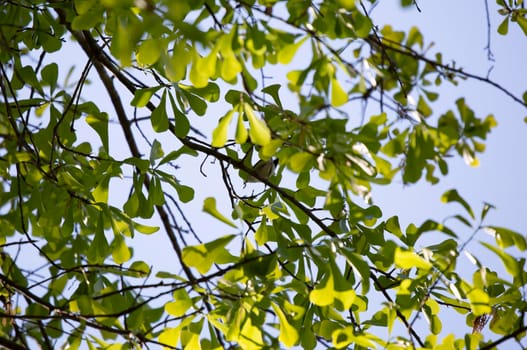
(114, 114)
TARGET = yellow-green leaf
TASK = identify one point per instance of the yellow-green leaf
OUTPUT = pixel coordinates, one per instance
(301, 161)
(338, 95)
(286, 53)
(258, 130)
(407, 260)
(323, 295)
(230, 67)
(219, 135)
(144, 229)
(261, 235)
(170, 336)
(241, 132)
(142, 96)
(288, 334)
(209, 207)
(180, 305)
(120, 251)
(149, 52)
(202, 256)
(176, 66)
(479, 302)
(198, 76)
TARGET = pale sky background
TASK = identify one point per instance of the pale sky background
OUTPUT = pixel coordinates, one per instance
(459, 31)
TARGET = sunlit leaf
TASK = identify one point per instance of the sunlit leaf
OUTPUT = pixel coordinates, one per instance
(120, 251)
(180, 305)
(338, 95)
(408, 260)
(289, 335)
(149, 52)
(209, 207)
(219, 135)
(143, 96)
(258, 130)
(479, 302)
(286, 54)
(204, 255)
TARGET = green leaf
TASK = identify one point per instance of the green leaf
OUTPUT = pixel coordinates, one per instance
(143, 96)
(139, 269)
(261, 235)
(522, 22)
(155, 191)
(363, 24)
(182, 123)
(506, 237)
(196, 103)
(176, 66)
(141, 164)
(420, 148)
(159, 117)
(209, 207)
(503, 28)
(453, 196)
(258, 130)
(289, 335)
(219, 135)
(170, 336)
(360, 266)
(99, 248)
(202, 256)
(156, 152)
(185, 193)
(273, 90)
(99, 123)
(392, 226)
(511, 264)
(176, 154)
(87, 20)
(50, 74)
(211, 92)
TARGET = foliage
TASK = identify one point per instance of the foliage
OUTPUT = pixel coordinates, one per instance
(309, 261)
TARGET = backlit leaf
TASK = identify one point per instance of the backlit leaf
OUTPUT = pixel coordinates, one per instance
(258, 130)
(338, 95)
(408, 260)
(209, 207)
(289, 335)
(143, 96)
(219, 135)
(202, 256)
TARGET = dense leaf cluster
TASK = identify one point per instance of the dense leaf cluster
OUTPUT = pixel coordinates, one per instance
(309, 261)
